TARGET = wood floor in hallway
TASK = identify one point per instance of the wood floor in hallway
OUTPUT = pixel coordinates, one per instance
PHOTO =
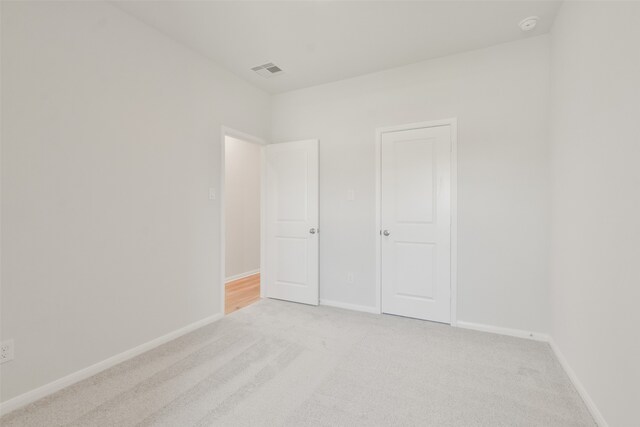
(242, 292)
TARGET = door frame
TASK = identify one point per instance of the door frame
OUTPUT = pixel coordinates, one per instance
(233, 133)
(453, 123)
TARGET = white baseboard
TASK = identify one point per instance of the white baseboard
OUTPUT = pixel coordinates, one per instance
(45, 390)
(59, 384)
(347, 306)
(241, 275)
(593, 409)
(595, 412)
(536, 336)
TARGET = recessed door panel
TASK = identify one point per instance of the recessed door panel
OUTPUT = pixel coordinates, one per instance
(290, 168)
(415, 271)
(413, 184)
(292, 261)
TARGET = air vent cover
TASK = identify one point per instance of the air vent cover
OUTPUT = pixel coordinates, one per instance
(267, 70)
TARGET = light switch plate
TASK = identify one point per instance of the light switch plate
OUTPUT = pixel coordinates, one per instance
(212, 193)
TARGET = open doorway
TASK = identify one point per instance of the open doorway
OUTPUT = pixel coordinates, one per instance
(242, 157)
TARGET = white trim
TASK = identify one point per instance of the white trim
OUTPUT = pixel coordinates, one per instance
(536, 336)
(518, 333)
(233, 133)
(453, 123)
(378, 165)
(346, 306)
(595, 412)
(263, 223)
(227, 131)
(242, 275)
(66, 381)
(454, 222)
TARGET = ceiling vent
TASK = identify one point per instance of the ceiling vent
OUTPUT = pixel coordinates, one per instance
(267, 70)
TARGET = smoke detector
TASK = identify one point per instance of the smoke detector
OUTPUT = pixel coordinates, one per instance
(267, 70)
(528, 24)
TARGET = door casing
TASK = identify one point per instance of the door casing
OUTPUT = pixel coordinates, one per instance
(453, 123)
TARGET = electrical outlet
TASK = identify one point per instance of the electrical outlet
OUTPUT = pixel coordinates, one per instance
(350, 278)
(212, 193)
(6, 351)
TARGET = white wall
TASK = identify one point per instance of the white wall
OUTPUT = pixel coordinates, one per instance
(596, 201)
(242, 207)
(500, 97)
(110, 140)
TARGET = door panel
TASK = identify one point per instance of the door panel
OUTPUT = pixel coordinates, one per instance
(290, 169)
(416, 213)
(413, 182)
(291, 212)
(292, 260)
(414, 270)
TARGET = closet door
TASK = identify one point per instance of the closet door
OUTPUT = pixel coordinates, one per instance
(416, 223)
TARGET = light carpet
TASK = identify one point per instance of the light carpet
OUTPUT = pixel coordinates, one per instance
(282, 364)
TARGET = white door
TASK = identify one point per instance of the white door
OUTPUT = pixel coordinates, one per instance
(292, 221)
(416, 223)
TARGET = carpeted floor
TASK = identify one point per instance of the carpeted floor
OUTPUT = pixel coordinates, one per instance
(276, 363)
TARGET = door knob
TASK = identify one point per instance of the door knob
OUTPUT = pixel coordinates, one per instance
(386, 232)
(312, 231)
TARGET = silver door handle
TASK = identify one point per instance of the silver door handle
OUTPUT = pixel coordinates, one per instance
(312, 231)
(386, 233)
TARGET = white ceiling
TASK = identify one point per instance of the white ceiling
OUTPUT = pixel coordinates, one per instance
(317, 42)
